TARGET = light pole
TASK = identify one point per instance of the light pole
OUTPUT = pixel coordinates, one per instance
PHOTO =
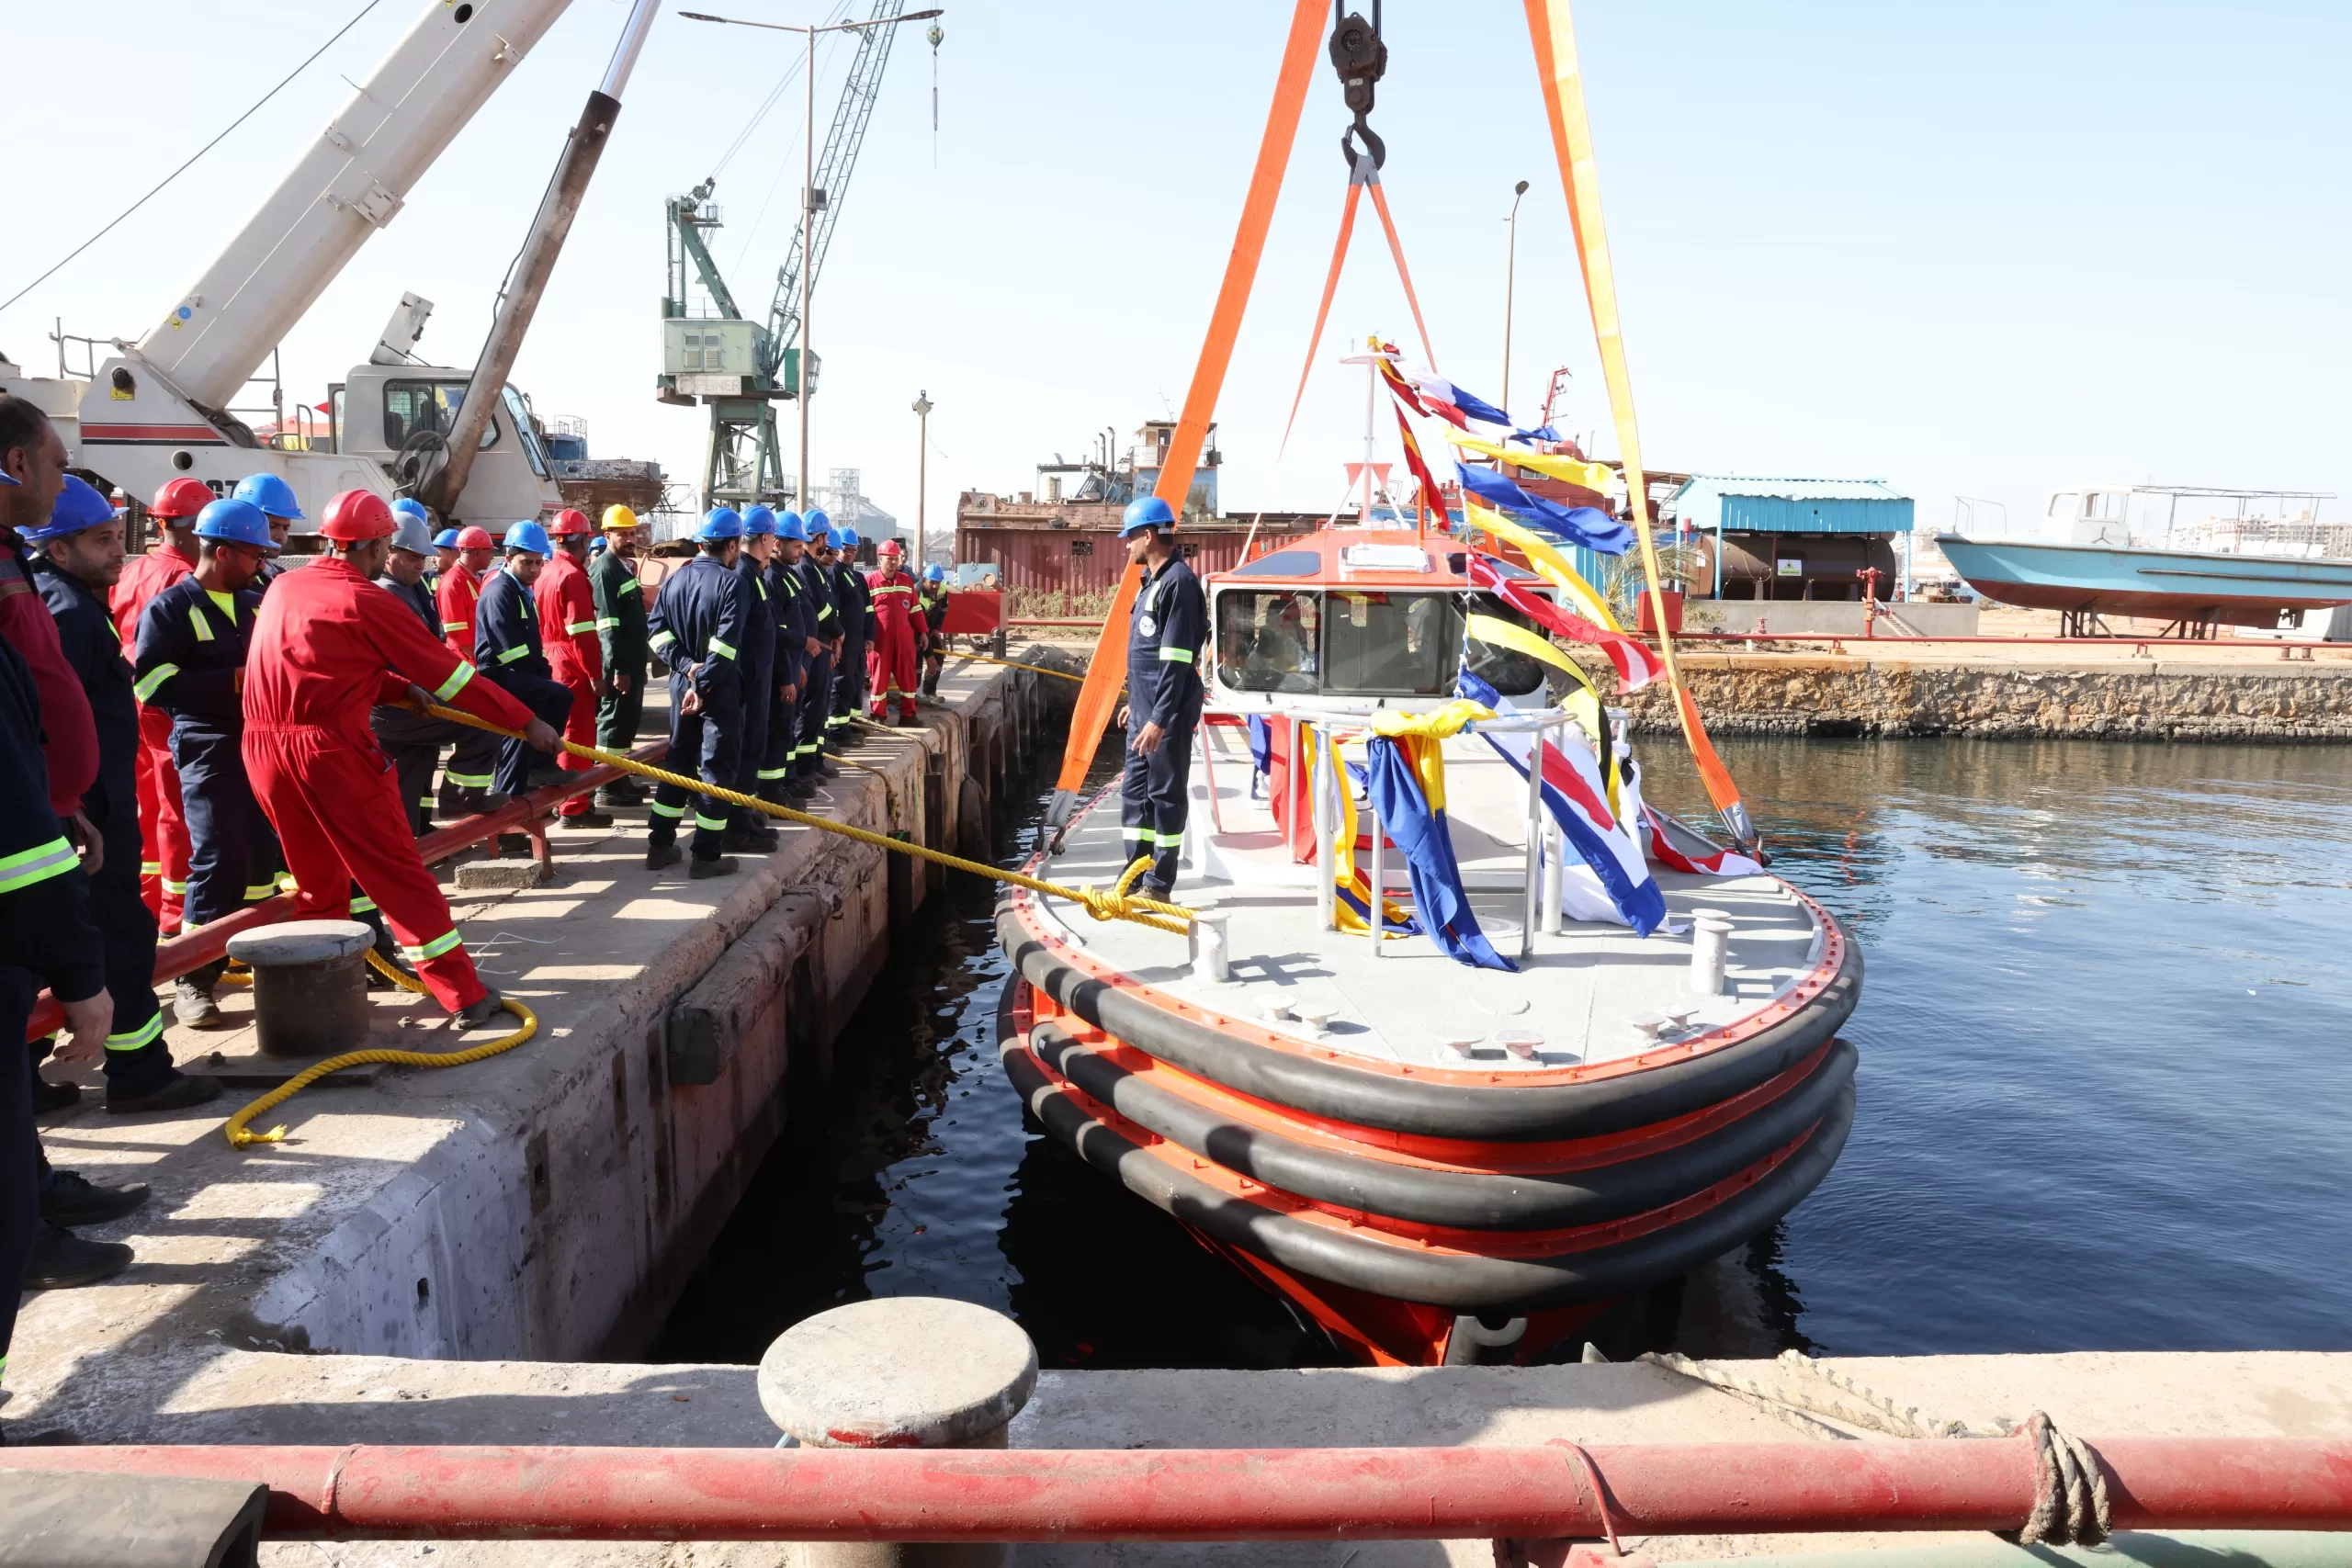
(809, 189)
(922, 470)
(1511, 275)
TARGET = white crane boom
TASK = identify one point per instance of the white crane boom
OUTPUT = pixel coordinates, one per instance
(351, 182)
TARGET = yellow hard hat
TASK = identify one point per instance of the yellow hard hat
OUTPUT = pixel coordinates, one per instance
(619, 517)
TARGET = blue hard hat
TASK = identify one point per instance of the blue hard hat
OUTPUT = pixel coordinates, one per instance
(78, 507)
(6, 478)
(272, 495)
(1149, 511)
(848, 536)
(235, 521)
(788, 525)
(816, 520)
(528, 536)
(842, 539)
(720, 523)
(758, 519)
(446, 539)
(406, 506)
(935, 572)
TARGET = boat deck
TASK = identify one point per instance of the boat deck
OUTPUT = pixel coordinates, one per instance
(1580, 990)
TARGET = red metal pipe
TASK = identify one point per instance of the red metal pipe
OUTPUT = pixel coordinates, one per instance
(1053, 620)
(1422, 1494)
(1989, 641)
(192, 950)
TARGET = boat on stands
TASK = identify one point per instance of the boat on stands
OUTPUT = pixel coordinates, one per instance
(1439, 1160)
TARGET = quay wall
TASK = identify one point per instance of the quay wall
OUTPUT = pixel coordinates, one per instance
(560, 1217)
(2121, 699)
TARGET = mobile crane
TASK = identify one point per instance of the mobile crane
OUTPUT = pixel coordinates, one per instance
(159, 409)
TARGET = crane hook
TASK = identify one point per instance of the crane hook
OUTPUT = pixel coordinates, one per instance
(1360, 57)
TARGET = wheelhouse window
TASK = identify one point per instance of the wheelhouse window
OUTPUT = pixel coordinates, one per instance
(1266, 641)
(520, 413)
(1377, 643)
(413, 408)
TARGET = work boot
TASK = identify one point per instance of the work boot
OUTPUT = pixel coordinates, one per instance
(176, 1093)
(659, 856)
(621, 792)
(751, 838)
(481, 1014)
(802, 789)
(586, 819)
(62, 1260)
(544, 770)
(49, 1097)
(72, 1198)
(450, 804)
(717, 865)
(192, 1003)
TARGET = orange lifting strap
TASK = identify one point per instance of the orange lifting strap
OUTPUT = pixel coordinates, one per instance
(1552, 32)
(1107, 672)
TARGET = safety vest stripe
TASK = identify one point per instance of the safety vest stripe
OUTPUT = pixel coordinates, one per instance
(774, 773)
(576, 628)
(453, 626)
(511, 654)
(824, 610)
(434, 949)
(762, 585)
(144, 689)
(199, 624)
(455, 682)
(169, 886)
(151, 868)
(1176, 655)
(606, 623)
(672, 812)
(722, 648)
(625, 587)
(38, 864)
(132, 1039)
(661, 640)
(466, 781)
(362, 905)
(710, 825)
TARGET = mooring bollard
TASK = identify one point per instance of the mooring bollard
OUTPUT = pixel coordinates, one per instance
(901, 1373)
(1709, 951)
(309, 984)
(1209, 950)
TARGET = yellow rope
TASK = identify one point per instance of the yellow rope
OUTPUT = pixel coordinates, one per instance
(239, 1138)
(1015, 664)
(1111, 905)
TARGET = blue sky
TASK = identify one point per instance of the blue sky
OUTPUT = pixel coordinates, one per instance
(1985, 249)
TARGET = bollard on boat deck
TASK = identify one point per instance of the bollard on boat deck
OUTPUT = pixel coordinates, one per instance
(900, 1372)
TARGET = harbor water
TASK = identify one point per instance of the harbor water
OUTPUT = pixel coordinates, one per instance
(2106, 1043)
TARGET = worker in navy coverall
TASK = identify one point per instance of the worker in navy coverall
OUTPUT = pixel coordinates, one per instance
(696, 631)
(412, 740)
(795, 645)
(82, 557)
(189, 663)
(1165, 637)
(507, 649)
(809, 764)
(745, 830)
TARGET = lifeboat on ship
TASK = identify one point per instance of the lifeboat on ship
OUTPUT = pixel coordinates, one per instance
(1438, 1162)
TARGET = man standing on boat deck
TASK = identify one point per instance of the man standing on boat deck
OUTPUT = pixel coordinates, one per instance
(1163, 708)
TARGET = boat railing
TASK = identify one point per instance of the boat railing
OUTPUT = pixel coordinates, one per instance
(1543, 881)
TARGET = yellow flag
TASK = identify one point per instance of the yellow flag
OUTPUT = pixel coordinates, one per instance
(1575, 470)
(1519, 639)
(1548, 562)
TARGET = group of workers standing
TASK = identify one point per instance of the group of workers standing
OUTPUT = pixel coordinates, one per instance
(776, 643)
(194, 729)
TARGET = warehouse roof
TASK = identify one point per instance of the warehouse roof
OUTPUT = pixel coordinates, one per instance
(1704, 490)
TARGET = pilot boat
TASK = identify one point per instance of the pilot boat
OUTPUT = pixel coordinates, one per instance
(1437, 1161)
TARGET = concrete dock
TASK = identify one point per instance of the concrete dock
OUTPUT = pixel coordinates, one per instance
(548, 1202)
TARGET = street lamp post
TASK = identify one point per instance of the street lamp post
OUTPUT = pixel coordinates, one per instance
(1511, 275)
(809, 188)
(922, 471)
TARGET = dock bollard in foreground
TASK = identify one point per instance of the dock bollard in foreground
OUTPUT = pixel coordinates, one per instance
(901, 1373)
(309, 984)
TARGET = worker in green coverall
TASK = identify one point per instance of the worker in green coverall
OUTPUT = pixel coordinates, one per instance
(620, 627)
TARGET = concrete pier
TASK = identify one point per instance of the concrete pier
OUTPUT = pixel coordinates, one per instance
(545, 1203)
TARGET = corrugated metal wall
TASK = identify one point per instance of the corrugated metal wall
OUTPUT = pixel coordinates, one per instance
(1045, 560)
(1776, 514)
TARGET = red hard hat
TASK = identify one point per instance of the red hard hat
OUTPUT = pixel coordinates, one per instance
(357, 515)
(181, 498)
(473, 538)
(889, 547)
(568, 522)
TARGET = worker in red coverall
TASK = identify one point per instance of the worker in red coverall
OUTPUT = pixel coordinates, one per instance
(566, 604)
(456, 593)
(328, 646)
(895, 630)
(163, 820)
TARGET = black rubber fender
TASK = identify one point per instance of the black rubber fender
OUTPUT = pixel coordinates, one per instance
(1463, 1284)
(1503, 1113)
(1469, 1199)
